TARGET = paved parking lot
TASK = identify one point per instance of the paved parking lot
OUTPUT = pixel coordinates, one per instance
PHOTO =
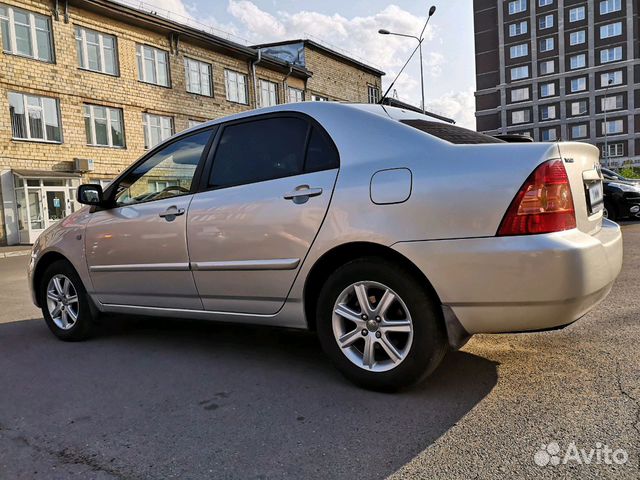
(184, 399)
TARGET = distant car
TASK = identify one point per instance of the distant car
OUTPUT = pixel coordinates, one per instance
(393, 236)
(621, 200)
(616, 177)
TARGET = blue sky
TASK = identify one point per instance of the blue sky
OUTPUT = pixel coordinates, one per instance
(352, 25)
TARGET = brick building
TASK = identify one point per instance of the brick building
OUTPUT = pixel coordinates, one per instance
(87, 86)
(561, 69)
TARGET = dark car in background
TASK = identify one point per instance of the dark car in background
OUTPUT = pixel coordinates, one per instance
(621, 199)
(616, 177)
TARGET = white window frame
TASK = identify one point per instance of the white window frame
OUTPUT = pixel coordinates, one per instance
(611, 98)
(610, 6)
(268, 93)
(9, 21)
(83, 55)
(236, 82)
(165, 124)
(110, 111)
(39, 108)
(610, 127)
(580, 135)
(605, 54)
(520, 94)
(548, 137)
(295, 95)
(604, 78)
(519, 117)
(517, 70)
(577, 14)
(544, 3)
(319, 98)
(517, 6)
(204, 77)
(373, 94)
(547, 62)
(142, 72)
(577, 38)
(520, 50)
(615, 150)
(551, 90)
(543, 22)
(519, 28)
(611, 30)
(545, 42)
(578, 64)
(579, 112)
(194, 123)
(548, 109)
(578, 84)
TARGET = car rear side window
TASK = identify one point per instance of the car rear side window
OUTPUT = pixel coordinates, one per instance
(451, 133)
(321, 152)
(259, 150)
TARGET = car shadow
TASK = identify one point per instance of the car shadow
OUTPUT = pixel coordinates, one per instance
(153, 398)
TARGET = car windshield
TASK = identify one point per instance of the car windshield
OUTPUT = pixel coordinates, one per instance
(451, 133)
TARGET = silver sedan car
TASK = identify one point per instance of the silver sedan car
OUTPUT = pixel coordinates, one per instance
(393, 236)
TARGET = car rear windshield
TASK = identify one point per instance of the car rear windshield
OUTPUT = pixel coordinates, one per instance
(451, 133)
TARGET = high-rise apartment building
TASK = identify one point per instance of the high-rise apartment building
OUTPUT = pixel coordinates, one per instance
(561, 69)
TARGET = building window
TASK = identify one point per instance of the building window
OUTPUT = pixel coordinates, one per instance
(578, 84)
(153, 65)
(198, 76)
(547, 44)
(517, 6)
(544, 3)
(519, 94)
(96, 51)
(157, 128)
(268, 93)
(521, 50)
(548, 112)
(611, 54)
(296, 95)
(581, 107)
(614, 77)
(519, 28)
(612, 127)
(615, 150)
(614, 102)
(546, 22)
(579, 131)
(518, 73)
(611, 30)
(547, 89)
(549, 135)
(576, 14)
(319, 98)
(236, 84)
(547, 67)
(609, 6)
(577, 38)
(35, 118)
(578, 61)
(103, 126)
(25, 33)
(373, 94)
(194, 123)
(520, 116)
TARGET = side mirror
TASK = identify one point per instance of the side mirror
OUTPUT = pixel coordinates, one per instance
(90, 194)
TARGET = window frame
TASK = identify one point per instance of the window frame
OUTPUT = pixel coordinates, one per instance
(26, 108)
(226, 73)
(187, 76)
(145, 128)
(519, 50)
(610, 26)
(513, 28)
(578, 18)
(546, 41)
(85, 57)
(577, 33)
(576, 57)
(542, 22)
(108, 119)
(10, 18)
(373, 93)
(613, 50)
(606, 3)
(519, 6)
(296, 90)
(276, 91)
(312, 123)
(141, 70)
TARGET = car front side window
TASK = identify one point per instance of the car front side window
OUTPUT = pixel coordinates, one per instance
(167, 173)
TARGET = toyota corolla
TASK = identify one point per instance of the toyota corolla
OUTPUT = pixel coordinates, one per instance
(393, 236)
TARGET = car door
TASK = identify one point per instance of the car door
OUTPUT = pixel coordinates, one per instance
(267, 191)
(137, 250)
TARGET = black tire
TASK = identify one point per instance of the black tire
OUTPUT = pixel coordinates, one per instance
(429, 343)
(611, 211)
(83, 325)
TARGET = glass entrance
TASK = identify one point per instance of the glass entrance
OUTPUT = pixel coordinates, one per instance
(56, 205)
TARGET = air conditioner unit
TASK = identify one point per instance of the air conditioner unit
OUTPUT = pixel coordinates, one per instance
(83, 164)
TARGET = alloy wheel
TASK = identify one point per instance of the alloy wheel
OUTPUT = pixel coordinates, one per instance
(62, 302)
(372, 326)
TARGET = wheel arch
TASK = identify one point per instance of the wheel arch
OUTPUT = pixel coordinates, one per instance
(341, 254)
(46, 260)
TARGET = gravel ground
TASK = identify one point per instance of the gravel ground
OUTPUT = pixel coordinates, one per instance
(151, 399)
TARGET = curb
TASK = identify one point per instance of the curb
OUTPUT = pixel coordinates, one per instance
(19, 253)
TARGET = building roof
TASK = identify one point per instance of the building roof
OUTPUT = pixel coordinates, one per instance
(329, 51)
(156, 22)
(394, 102)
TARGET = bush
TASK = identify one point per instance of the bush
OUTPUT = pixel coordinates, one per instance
(630, 172)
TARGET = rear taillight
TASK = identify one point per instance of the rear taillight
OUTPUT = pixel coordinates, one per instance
(544, 203)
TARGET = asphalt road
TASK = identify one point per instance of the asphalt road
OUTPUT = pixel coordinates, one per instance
(157, 399)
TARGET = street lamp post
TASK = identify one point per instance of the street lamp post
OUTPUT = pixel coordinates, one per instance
(419, 39)
(606, 131)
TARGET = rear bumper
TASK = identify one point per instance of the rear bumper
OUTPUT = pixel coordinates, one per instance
(523, 283)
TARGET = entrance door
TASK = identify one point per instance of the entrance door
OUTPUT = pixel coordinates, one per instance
(55, 206)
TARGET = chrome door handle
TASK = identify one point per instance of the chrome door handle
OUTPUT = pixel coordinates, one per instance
(302, 193)
(170, 213)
